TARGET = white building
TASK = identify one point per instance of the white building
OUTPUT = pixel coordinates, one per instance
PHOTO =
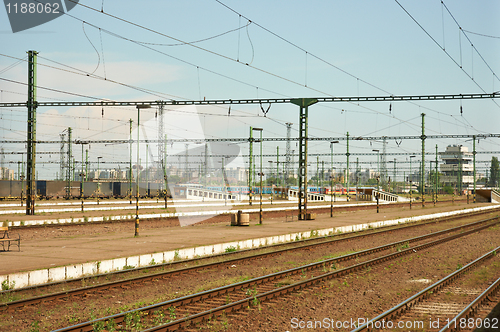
(457, 168)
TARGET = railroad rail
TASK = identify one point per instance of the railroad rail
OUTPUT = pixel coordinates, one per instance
(408, 304)
(271, 285)
(304, 244)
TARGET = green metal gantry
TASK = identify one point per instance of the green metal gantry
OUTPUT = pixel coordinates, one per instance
(304, 104)
(31, 139)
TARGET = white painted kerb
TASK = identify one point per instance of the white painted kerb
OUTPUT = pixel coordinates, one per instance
(38, 277)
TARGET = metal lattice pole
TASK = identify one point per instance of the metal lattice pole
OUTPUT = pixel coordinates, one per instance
(161, 145)
(288, 159)
(304, 104)
(422, 176)
(31, 144)
(68, 170)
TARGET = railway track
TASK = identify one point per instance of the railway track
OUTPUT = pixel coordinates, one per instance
(440, 307)
(197, 264)
(187, 310)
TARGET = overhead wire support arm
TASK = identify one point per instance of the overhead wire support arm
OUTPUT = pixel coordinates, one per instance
(255, 101)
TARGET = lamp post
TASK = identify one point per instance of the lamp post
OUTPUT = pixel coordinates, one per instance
(332, 193)
(271, 172)
(411, 185)
(378, 165)
(82, 174)
(98, 176)
(260, 174)
(139, 107)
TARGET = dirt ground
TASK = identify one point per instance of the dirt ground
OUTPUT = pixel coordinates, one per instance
(52, 246)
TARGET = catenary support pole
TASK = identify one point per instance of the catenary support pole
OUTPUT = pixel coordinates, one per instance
(303, 104)
(422, 176)
(31, 138)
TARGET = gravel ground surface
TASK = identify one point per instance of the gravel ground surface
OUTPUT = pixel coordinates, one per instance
(349, 297)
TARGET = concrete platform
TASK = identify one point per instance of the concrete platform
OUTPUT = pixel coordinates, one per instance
(56, 258)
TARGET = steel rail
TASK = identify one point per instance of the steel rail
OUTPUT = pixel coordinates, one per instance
(165, 274)
(190, 299)
(423, 294)
(187, 321)
(470, 310)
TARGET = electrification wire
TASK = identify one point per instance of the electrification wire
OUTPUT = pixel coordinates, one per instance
(474, 47)
(480, 34)
(446, 52)
(313, 55)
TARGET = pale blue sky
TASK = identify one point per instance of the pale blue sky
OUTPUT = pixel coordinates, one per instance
(373, 41)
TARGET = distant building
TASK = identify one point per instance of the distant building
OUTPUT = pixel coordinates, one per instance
(6, 174)
(457, 168)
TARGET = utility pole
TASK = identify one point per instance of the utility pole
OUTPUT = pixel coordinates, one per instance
(31, 137)
(474, 165)
(436, 177)
(250, 167)
(347, 169)
(61, 156)
(164, 162)
(422, 178)
(147, 170)
(68, 173)
(322, 175)
(317, 172)
(161, 145)
(130, 163)
(278, 167)
(288, 161)
(86, 164)
(394, 179)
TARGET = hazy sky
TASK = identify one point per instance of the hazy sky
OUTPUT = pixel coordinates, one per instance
(138, 51)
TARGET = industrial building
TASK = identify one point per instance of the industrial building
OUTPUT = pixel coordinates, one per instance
(457, 167)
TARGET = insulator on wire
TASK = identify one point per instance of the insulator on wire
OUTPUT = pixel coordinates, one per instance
(390, 108)
(461, 111)
(102, 112)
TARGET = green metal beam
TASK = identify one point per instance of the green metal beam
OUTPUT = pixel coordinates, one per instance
(260, 101)
(303, 104)
(31, 104)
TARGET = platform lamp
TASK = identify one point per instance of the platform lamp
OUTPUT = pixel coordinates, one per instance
(332, 193)
(378, 165)
(82, 173)
(98, 176)
(411, 181)
(139, 107)
(271, 172)
(260, 174)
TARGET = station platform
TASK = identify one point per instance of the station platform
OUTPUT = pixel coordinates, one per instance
(55, 250)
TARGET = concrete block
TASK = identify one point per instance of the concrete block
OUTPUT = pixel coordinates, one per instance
(89, 268)
(230, 245)
(186, 253)
(169, 256)
(57, 274)
(134, 261)
(106, 266)
(4, 280)
(217, 249)
(158, 257)
(118, 264)
(74, 271)
(18, 280)
(38, 277)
